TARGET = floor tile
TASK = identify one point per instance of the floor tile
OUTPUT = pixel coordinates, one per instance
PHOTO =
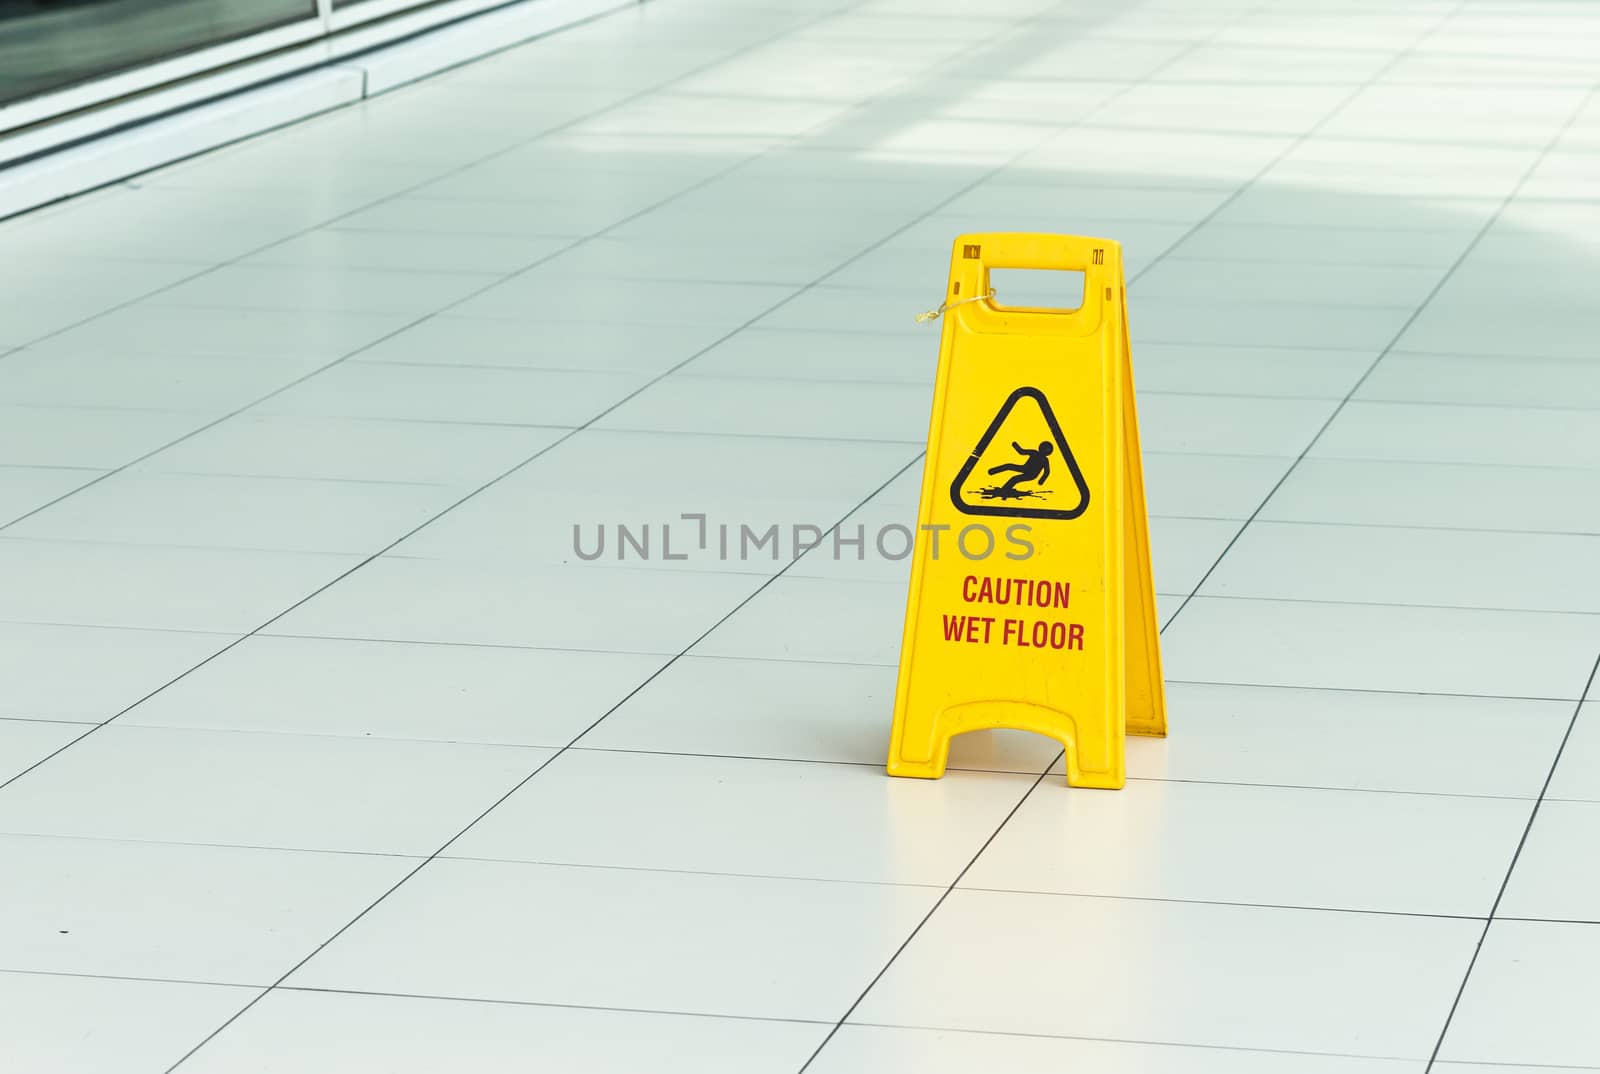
(749, 407)
(28, 488)
(1182, 550)
(760, 226)
(95, 377)
(670, 475)
(1336, 850)
(788, 710)
(656, 273)
(881, 310)
(1229, 425)
(1227, 370)
(238, 333)
(1527, 115)
(1492, 381)
(1458, 329)
(536, 297)
(859, 1049)
(153, 587)
(594, 347)
(351, 449)
(1561, 175)
(156, 910)
(509, 178)
(874, 543)
(1286, 324)
(24, 743)
(1577, 776)
(628, 938)
(151, 223)
(334, 1033)
(1179, 206)
(693, 509)
(651, 258)
(1557, 877)
(1527, 1000)
(326, 287)
(367, 689)
(746, 816)
(1156, 157)
(1391, 565)
(1000, 962)
(1152, 102)
(1292, 243)
(102, 281)
(1376, 285)
(276, 514)
(1457, 495)
(1380, 166)
(95, 1025)
(915, 262)
(1271, 203)
(143, 783)
(589, 607)
(338, 249)
(1369, 647)
(1209, 486)
(821, 355)
(476, 216)
(815, 619)
(1353, 739)
(87, 438)
(25, 320)
(1475, 434)
(456, 394)
(87, 674)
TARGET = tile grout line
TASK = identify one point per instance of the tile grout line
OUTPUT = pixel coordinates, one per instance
(444, 310)
(1002, 34)
(1191, 47)
(1008, 31)
(499, 1002)
(440, 852)
(1444, 279)
(769, 581)
(568, 434)
(209, 267)
(1482, 231)
(1505, 883)
(1399, 57)
(1182, 1045)
(575, 243)
(907, 383)
(573, 431)
(917, 929)
(1396, 57)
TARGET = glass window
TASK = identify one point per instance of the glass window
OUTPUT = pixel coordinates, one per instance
(50, 44)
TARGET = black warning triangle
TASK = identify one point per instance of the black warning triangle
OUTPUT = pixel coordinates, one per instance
(1014, 490)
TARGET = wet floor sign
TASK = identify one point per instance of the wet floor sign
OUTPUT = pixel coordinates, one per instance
(1031, 601)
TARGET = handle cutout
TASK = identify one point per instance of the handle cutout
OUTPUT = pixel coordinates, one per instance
(1037, 289)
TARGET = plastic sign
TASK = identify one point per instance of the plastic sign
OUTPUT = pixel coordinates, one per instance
(1035, 440)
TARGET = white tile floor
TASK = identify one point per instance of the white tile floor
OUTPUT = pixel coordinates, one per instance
(326, 754)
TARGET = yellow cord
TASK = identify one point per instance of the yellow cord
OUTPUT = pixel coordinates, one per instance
(944, 307)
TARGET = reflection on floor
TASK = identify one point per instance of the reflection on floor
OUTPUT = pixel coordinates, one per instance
(338, 747)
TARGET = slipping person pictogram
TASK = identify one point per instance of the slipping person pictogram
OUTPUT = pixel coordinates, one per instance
(1023, 418)
(1036, 468)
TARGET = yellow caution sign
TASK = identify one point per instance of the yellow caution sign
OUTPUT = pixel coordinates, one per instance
(1031, 601)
